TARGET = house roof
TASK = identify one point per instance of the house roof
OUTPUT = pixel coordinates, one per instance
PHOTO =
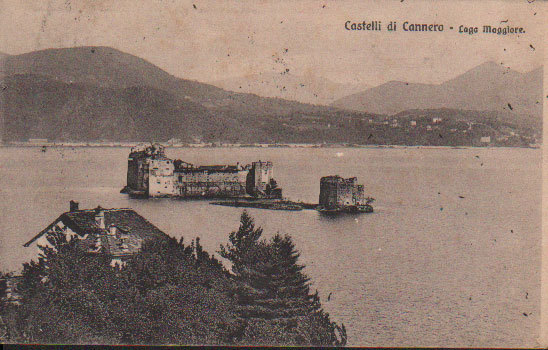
(133, 230)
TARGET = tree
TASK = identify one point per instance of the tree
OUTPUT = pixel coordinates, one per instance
(241, 249)
(171, 293)
(271, 186)
(65, 296)
(184, 296)
(168, 293)
(273, 294)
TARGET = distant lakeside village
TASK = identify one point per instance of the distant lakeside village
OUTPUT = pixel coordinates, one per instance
(449, 133)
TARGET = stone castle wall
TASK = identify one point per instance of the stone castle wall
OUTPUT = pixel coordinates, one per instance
(152, 174)
(336, 191)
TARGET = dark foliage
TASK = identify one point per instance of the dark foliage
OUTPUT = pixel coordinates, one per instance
(169, 293)
(273, 294)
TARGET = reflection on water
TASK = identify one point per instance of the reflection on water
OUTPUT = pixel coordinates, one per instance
(446, 258)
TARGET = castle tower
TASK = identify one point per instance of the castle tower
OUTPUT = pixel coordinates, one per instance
(263, 173)
(336, 191)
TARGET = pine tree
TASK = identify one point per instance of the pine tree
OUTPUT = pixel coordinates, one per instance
(288, 292)
(241, 250)
(273, 293)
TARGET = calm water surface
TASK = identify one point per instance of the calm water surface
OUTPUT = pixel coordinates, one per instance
(428, 268)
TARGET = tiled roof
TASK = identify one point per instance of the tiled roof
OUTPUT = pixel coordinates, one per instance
(121, 245)
(132, 229)
(83, 222)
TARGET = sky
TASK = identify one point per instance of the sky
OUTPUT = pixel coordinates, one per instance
(215, 40)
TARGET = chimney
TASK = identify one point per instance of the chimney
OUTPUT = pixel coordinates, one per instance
(98, 244)
(100, 217)
(73, 206)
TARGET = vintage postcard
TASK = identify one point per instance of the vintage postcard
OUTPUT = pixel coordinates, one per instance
(311, 173)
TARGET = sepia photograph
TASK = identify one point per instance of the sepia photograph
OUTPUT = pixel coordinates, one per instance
(273, 173)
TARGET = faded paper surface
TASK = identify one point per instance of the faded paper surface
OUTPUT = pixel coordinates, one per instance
(436, 107)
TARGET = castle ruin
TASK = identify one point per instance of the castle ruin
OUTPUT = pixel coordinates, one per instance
(151, 174)
(336, 192)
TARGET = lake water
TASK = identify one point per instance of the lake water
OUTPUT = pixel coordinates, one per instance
(428, 268)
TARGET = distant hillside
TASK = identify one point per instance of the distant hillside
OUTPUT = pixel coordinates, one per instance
(307, 89)
(101, 94)
(62, 88)
(455, 127)
(110, 68)
(55, 110)
(35, 106)
(486, 87)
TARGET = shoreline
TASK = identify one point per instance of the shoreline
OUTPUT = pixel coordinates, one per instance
(303, 145)
(289, 205)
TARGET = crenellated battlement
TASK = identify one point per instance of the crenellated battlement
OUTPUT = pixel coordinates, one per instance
(152, 174)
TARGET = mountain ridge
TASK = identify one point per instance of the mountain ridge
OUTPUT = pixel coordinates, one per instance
(485, 87)
(102, 94)
(109, 67)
